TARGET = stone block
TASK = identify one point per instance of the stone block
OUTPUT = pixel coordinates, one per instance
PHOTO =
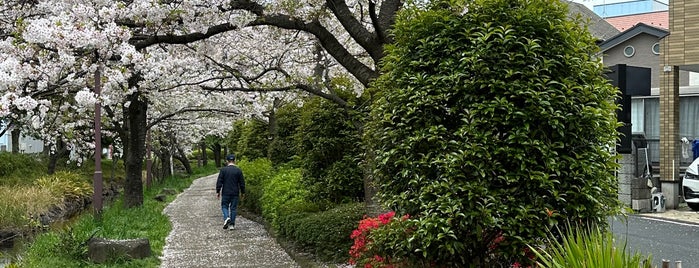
(160, 197)
(640, 193)
(627, 170)
(624, 179)
(640, 204)
(625, 189)
(625, 199)
(168, 191)
(101, 250)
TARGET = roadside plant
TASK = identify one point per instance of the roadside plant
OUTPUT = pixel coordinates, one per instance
(492, 118)
(587, 247)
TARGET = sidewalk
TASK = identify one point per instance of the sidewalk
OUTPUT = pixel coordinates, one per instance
(198, 239)
(681, 214)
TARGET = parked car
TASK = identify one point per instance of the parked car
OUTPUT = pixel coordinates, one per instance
(690, 185)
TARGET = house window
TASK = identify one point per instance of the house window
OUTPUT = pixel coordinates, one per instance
(629, 51)
(656, 49)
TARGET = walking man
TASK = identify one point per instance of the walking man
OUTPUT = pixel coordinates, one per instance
(230, 184)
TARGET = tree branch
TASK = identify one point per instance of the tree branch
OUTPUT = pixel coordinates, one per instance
(356, 30)
(303, 87)
(363, 73)
(141, 41)
(188, 110)
(387, 17)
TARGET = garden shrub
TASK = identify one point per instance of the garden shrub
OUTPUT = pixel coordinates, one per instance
(284, 188)
(328, 144)
(290, 212)
(256, 174)
(18, 168)
(253, 140)
(492, 120)
(282, 148)
(326, 233)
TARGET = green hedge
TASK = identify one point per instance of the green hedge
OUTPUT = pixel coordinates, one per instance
(284, 188)
(19, 169)
(256, 173)
(325, 234)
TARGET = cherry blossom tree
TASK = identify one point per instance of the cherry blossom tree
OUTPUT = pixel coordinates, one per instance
(152, 51)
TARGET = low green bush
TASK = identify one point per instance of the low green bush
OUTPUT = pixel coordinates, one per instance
(256, 173)
(284, 188)
(19, 168)
(326, 233)
(196, 154)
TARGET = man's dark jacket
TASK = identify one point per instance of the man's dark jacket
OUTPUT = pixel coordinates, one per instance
(230, 178)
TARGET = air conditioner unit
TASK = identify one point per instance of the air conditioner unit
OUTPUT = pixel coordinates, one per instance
(658, 202)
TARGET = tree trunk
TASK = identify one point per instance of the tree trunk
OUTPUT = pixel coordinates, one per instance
(164, 155)
(373, 208)
(371, 187)
(156, 171)
(134, 149)
(15, 140)
(61, 151)
(217, 153)
(204, 156)
(180, 155)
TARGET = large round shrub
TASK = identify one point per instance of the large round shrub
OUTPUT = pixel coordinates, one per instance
(493, 122)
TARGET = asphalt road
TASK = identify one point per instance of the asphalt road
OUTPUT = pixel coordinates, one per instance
(664, 240)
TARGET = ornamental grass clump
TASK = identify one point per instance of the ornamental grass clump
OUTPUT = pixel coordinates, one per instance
(588, 247)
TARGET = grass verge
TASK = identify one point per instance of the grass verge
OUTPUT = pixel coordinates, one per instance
(68, 247)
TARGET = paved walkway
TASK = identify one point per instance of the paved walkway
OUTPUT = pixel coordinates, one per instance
(198, 239)
(681, 214)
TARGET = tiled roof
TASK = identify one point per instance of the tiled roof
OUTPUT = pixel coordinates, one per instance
(660, 19)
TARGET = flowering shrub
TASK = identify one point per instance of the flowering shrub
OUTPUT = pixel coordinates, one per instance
(360, 253)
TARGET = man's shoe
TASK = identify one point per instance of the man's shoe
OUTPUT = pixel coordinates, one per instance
(226, 223)
(232, 227)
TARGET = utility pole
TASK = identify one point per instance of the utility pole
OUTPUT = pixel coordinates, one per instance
(97, 179)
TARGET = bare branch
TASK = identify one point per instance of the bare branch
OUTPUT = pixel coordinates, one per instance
(187, 110)
(356, 30)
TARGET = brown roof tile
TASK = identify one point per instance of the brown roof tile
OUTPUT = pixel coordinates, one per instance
(660, 19)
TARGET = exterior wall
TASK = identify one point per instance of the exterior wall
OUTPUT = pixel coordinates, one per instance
(678, 50)
(644, 57)
(4, 143)
(26, 144)
(684, 33)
